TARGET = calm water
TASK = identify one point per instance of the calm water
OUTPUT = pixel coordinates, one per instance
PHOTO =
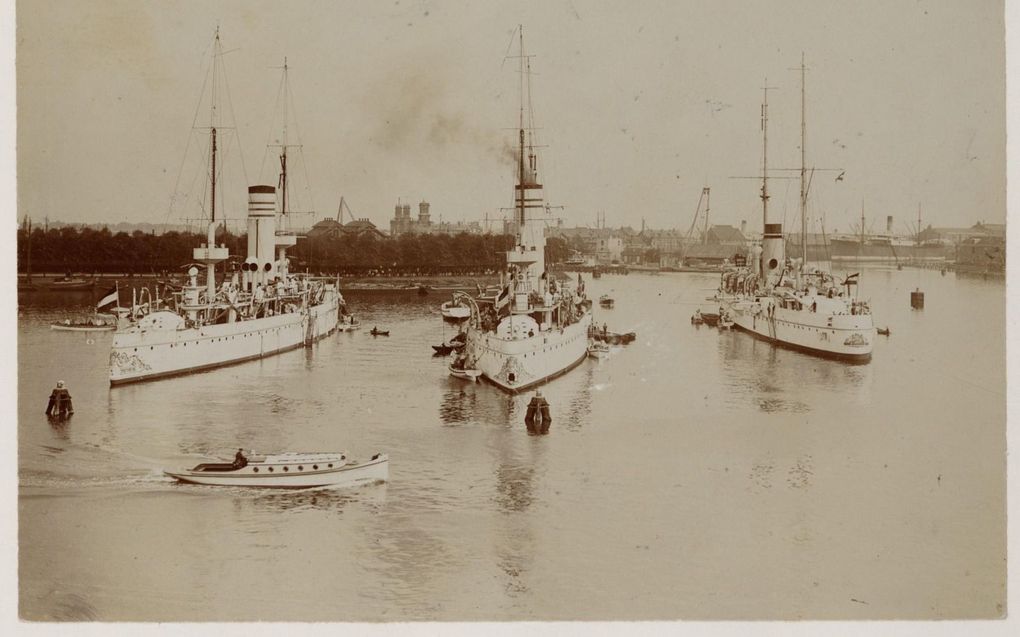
(692, 475)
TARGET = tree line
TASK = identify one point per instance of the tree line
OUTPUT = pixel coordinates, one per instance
(92, 251)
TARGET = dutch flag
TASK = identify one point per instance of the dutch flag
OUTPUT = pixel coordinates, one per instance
(112, 297)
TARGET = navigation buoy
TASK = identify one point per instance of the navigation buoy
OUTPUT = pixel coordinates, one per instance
(537, 417)
(59, 404)
(917, 299)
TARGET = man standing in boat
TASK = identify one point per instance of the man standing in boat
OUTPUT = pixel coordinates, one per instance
(239, 460)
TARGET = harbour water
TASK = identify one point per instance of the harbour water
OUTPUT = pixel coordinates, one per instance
(694, 474)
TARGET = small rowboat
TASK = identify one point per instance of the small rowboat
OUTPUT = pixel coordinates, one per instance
(884, 331)
(710, 318)
(289, 471)
(81, 327)
(94, 323)
(377, 332)
(465, 374)
(453, 345)
(606, 301)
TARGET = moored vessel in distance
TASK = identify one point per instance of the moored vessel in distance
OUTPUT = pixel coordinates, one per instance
(69, 283)
(782, 301)
(261, 310)
(534, 329)
(289, 471)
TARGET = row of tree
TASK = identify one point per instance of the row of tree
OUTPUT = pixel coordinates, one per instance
(87, 250)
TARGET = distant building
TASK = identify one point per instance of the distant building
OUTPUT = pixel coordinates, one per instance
(954, 236)
(725, 235)
(711, 253)
(333, 229)
(403, 223)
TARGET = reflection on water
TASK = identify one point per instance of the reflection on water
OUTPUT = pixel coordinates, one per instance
(513, 487)
(319, 499)
(689, 463)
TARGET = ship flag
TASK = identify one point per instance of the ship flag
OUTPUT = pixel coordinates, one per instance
(503, 298)
(112, 297)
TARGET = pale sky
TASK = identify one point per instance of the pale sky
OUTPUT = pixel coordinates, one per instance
(639, 106)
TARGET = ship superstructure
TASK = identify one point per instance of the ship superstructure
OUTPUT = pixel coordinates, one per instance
(533, 329)
(786, 302)
(255, 310)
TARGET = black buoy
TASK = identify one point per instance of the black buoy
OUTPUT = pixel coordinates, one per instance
(537, 417)
(60, 402)
(917, 299)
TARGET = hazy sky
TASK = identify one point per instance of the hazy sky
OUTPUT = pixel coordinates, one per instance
(640, 106)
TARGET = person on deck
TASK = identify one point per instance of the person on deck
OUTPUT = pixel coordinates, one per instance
(240, 460)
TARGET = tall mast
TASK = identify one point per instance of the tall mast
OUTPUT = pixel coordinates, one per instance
(708, 207)
(211, 234)
(917, 237)
(765, 153)
(803, 164)
(209, 254)
(860, 246)
(520, 155)
(212, 179)
(283, 150)
(212, 135)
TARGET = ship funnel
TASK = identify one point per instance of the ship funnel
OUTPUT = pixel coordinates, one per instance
(261, 259)
(773, 255)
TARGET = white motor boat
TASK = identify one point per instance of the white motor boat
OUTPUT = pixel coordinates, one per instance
(348, 323)
(289, 471)
(455, 310)
(599, 349)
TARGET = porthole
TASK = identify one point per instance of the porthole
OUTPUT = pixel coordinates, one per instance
(255, 469)
(300, 468)
(315, 467)
(286, 468)
(270, 469)
(331, 465)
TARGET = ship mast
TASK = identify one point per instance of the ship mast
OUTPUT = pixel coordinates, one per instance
(520, 154)
(917, 237)
(283, 150)
(708, 207)
(209, 254)
(803, 166)
(765, 154)
(211, 233)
